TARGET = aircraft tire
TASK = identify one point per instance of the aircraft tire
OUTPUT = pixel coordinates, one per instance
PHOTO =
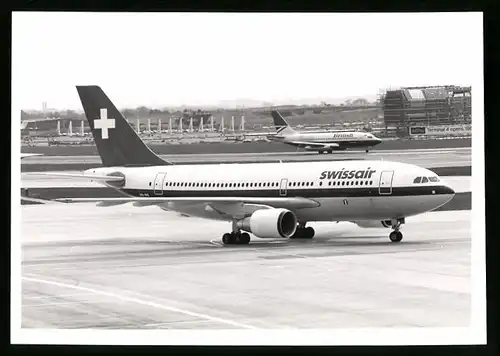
(236, 238)
(227, 239)
(303, 233)
(245, 238)
(308, 232)
(395, 236)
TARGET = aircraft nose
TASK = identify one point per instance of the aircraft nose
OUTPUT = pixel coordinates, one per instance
(448, 190)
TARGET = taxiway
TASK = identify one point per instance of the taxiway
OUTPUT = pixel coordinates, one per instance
(124, 267)
(447, 157)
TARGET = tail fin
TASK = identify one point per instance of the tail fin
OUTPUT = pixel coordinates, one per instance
(282, 126)
(116, 141)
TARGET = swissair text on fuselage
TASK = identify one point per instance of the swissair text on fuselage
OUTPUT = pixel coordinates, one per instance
(344, 174)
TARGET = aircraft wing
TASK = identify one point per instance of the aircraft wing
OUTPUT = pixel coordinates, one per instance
(313, 144)
(277, 202)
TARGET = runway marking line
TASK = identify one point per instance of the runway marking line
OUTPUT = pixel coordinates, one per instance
(38, 297)
(142, 302)
(53, 304)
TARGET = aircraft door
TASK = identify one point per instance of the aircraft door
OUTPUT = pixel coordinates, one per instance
(283, 187)
(385, 185)
(158, 184)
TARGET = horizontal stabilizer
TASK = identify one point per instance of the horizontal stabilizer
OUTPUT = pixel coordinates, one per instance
(295, 202)
(80, 175)
(39, 200)
(25, 155)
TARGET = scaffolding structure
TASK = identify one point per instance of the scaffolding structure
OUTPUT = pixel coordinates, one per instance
(426, 106)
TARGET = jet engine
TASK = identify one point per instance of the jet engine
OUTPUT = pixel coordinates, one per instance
(270, 223)
(373, 223)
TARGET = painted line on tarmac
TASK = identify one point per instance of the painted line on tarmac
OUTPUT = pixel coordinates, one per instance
(141, 302)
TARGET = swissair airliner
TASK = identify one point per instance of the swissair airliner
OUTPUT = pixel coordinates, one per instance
(321, 141)
(268, 200)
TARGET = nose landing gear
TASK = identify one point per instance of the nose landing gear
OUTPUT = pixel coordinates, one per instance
(396, 235)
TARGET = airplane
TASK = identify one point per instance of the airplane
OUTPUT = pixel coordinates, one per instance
(268, 200)
(320, 141)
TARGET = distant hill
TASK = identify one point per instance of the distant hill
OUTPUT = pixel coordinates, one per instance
(252, 103)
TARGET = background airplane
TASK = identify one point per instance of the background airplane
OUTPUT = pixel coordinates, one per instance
(321, 141)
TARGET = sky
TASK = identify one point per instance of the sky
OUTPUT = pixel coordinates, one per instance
(172, 59)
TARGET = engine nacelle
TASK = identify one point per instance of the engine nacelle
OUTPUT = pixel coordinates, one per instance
(270, 223)
(373, 223)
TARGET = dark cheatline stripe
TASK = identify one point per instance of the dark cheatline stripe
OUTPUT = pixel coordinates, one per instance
(461, 201)
(306, 193)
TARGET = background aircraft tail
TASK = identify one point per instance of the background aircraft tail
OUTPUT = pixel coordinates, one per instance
(117, 143)
(282, 127)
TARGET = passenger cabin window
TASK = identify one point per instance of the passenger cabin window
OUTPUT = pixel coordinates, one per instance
(417, 180)
(425, 180)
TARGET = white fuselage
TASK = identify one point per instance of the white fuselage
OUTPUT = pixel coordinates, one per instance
(327, 140)
(370, 190)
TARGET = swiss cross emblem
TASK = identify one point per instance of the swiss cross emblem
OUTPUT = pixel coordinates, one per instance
(104, 124)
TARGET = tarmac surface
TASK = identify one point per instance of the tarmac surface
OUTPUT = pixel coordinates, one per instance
(226, 147)
(448, 157)
(141, 268)
(124, 267)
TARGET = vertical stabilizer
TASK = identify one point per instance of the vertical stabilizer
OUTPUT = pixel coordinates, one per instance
(116, 141)
(282, 127)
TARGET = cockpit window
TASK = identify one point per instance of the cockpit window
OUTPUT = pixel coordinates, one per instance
(424, 180)
(434, 179)
(417, 180)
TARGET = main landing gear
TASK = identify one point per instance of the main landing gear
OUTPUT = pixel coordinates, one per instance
(303, 232)
(396, 235)
(236, 238)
